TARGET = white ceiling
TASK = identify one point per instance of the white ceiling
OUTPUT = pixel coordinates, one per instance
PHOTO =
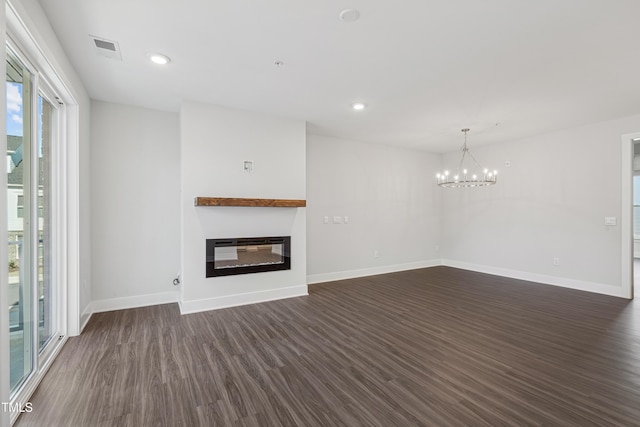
(424, 68)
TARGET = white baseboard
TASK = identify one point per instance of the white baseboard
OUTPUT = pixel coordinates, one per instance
(195, 306)
(599, 288)
(352, 274)
(86, 316)
(122, 303)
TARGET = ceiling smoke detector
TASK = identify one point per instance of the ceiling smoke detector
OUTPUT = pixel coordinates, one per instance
(106, 48)
(349, 15)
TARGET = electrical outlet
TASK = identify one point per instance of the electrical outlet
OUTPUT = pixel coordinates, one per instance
(556, 261)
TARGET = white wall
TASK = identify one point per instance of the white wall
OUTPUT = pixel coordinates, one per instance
(391, 201)
(215, 141)
(550, 203)
(135, 180)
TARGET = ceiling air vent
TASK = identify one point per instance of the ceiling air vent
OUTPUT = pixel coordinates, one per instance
(106, 48)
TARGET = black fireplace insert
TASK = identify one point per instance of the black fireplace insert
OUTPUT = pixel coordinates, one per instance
(226, 257)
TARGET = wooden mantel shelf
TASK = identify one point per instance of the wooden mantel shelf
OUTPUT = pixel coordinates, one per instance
(273, 203)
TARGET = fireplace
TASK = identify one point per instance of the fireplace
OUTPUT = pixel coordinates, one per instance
(226, 257)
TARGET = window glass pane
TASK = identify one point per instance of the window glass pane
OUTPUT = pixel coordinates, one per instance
(18, 86)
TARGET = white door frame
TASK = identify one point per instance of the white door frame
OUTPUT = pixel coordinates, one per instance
(626, 210)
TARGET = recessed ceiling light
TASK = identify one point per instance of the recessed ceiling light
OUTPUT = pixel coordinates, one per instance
(349, 15)
(358, 106)
(158, 58)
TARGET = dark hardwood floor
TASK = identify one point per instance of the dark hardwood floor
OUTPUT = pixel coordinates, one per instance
(433, 347)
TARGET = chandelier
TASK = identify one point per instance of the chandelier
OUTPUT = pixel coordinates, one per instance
(464, 177)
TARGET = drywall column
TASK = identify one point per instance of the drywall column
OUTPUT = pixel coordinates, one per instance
(215, 143)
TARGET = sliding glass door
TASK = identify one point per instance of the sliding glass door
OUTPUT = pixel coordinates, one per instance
(32, 290)
(19, 213)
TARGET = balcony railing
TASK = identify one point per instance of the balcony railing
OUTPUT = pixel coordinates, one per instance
(16, 311)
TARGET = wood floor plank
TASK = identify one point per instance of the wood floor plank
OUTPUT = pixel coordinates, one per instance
(436, 346)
